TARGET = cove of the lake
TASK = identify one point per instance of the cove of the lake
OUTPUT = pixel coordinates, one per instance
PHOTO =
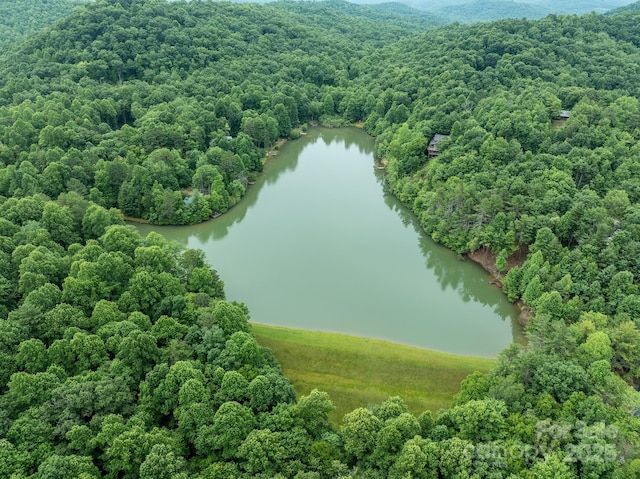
(318, 244)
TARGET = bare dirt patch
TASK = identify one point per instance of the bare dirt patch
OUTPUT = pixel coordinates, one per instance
(487, 259)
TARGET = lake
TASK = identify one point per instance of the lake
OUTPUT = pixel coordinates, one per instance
(318, 244)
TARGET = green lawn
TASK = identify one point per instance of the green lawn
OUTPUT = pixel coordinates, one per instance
(362, 372)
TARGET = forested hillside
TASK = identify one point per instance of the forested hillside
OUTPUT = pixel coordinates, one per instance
(510, 179)
(19, 19)
(577, 7)
(164, 97)
(483, 11)
(121, 357)
(632, 7)
(487, 10)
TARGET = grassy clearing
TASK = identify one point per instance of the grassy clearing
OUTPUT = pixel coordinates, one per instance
(362, 372)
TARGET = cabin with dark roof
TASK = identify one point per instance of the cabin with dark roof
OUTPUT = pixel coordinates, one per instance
(432, 149)
(559, 121)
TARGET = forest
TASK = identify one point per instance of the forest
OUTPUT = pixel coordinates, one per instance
(472, 11)
(121, 357)
(631, 7)
(26, 17)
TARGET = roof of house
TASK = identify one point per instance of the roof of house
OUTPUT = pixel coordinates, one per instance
(565, 113)
(437, 138)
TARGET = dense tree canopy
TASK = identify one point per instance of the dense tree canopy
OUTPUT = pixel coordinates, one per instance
(120, 100)
(631, 7)
(120, 355)
(471, 11)
(513, 178)
(26, 17)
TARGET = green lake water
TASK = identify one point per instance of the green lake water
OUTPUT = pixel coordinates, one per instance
(317, 244)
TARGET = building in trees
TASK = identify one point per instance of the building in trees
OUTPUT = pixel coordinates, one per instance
(432, 149)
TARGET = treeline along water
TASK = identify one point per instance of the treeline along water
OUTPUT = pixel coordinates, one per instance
(318, 244)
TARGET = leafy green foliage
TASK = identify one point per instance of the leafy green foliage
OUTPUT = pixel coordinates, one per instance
(121, 357)
(511, 177)
(631, 7)
(112, 379)
(173, 144)
(476, 11)
(24, 18)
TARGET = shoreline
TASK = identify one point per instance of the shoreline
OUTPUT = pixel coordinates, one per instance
(361, 372)
(367, 339)
(135, 219)
(482, 256)
(487, 260)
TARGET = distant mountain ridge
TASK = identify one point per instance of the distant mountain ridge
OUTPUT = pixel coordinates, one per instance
(632, 7)
(485, 11)
(488, 10)
(461, 11)
(20, 19)
(573, 6)
(399, 13)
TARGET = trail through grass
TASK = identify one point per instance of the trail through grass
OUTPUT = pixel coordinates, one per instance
(360, 372)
